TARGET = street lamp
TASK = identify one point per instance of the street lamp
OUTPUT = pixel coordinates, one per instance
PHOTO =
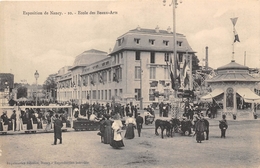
(6, 91)
(36, 75)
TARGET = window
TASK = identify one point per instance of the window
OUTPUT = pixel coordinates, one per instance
(99, 94)
(166, 57)
(151, 95)
(152, 72)
(120, 92)
(137, 40)
(120, 41)
(137, 72)
(109, 94)
(151, 41)
(109, 75)
(94, 94)
(102, 95)
(118, 59)
(137, 94)
(105, 94)
(115, 92)
(118, 72)
(122, 56)
(166, 42)
(95, 77)
(104, 76)
(83, 94)
(179, 43)
(137, 55)
(152, 57)
(166, 73)
(180, 57)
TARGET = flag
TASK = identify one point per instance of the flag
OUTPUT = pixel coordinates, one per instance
(178, 71)
(236, 36)
(91, 80)
(115, 79)
(101, 78)
(186, 79)
(171, 73)
(185, 74)
(234, 21)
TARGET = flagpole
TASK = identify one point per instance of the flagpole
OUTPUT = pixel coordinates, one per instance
(233, 45)
(174, 43)
(234, 21)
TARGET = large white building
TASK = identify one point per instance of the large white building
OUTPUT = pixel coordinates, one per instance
(132, 72)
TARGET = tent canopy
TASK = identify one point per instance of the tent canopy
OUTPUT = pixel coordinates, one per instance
(248, 95)
(212, 94)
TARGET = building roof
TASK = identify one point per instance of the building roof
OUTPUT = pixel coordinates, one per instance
(233, 65)
(88, 57)
(128, 41)
(233, 72)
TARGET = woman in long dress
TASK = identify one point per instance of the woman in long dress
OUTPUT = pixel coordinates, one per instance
(117, 125)
(108, 130)
(130, 125)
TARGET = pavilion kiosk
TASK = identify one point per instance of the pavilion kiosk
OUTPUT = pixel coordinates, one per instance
(233, 88)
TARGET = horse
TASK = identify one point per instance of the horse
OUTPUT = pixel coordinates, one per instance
(168, 125)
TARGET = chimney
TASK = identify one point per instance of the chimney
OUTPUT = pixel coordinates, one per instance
(169, 29)
(157, 29)
(207, 58)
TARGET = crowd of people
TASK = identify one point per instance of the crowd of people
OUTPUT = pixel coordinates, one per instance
(29, 117)
(110, 117)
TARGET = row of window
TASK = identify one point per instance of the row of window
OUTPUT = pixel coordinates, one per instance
(152, 72)
(152, 57)
(107, 94)
(151, 42)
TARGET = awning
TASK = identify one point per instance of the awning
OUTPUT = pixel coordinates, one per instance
(209, 96)
(248, 95)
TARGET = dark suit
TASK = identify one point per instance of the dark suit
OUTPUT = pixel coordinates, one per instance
(57, 130)
(139, 123)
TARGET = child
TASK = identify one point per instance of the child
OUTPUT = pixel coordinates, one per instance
(223, 126)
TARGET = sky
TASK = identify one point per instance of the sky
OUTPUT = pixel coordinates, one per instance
(47, 43)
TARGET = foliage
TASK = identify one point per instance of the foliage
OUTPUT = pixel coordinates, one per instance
(49, 83)
(195, 63)
(21, 91)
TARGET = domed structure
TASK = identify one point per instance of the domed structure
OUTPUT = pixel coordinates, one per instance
(233, 65)
(88, 57)
(233, 87)
(233, 72)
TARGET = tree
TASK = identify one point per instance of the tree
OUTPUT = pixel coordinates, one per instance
(50, 85)
(195, 63)
(21, 92)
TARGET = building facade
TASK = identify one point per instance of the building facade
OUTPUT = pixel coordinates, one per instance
(137, 67)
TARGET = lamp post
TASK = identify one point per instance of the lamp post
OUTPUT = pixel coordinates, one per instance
(6, 91)
(36, 75)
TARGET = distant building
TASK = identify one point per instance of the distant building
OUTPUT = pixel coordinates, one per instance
(6, 86)
(132, 72)
(32, 91)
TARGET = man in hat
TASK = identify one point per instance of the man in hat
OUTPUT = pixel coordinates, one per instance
(139, 123)
(5, 118)
(57, 129)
